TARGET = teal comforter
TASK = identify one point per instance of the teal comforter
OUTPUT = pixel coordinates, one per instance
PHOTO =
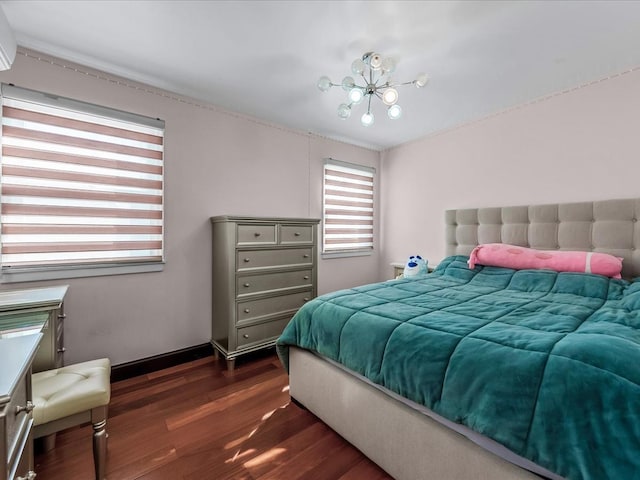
(545, 363)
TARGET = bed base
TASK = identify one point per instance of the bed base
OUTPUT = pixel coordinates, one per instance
(405, 443)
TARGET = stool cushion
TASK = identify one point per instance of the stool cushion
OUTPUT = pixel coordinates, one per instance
(73, 389)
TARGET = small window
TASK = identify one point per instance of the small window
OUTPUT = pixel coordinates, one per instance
(81, 188)
(347, 208)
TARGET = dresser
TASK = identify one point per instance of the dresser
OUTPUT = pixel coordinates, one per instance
(17, 354)
(264, 270)
(36, 310)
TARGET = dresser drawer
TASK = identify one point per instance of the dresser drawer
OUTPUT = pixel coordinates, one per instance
(17, 423)
(249, 284)
(291, 234)
(254, 309)
(252, 259)
(261, 332)
(250, 234)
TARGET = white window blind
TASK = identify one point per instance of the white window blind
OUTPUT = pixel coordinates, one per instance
(80, 184)
(348, 207)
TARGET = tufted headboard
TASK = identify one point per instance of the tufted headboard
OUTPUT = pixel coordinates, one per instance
(608, 226)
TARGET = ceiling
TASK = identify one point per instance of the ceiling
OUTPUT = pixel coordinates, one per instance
(263, 58)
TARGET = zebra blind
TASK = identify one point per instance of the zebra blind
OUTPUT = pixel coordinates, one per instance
(348, 207)
(80, 184)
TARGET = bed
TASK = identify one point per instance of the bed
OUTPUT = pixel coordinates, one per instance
(490, 373)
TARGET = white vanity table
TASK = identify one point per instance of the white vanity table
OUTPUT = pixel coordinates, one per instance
(16, 444)
(31, 339)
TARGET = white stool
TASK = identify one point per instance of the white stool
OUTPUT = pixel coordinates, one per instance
(73, 395)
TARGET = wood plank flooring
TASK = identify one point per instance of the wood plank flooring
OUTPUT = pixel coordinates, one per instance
(195, 421)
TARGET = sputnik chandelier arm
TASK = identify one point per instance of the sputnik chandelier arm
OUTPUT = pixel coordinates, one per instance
(375, 72)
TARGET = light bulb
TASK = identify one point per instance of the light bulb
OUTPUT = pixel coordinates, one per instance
(375, 61)
(347, 83)
(355, 95)
(422, 80)
(358, 66)
(324, 83)
(394, 112)
(390, 96)
(388, 65)
(367, 119)
(344, 111)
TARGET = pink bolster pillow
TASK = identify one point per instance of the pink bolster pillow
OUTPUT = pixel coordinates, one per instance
(518, 258)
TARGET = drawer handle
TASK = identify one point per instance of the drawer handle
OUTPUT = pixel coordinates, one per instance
(306, 255)
(257, 234)
(246, 310)
(246, 335)
(247, 285)
(246, 260)
(297, 234)
(306, 277)
(306, 299)
(31, 475)
(62, 350)
(28, 408)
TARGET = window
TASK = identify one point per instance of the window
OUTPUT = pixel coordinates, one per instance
(348, 208)
(81, 188)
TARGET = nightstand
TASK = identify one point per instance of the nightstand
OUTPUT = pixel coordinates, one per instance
(398, 269)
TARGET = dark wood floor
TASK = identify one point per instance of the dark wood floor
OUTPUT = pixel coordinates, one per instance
(195, 421)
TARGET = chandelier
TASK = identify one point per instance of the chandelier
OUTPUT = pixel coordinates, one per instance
(376, 72)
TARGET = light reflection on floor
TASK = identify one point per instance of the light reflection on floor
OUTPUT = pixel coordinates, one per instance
(268, 456)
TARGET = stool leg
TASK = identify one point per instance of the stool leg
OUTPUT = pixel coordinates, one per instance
(100, 448)
(99, 421)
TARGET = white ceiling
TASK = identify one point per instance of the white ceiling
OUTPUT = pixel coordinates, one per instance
(263, 58)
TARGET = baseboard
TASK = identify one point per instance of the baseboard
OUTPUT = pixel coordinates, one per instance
(159, 362)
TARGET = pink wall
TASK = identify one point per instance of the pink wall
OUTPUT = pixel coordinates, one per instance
(579, 145)
(343, 272)
(574, 146)
(217, 162)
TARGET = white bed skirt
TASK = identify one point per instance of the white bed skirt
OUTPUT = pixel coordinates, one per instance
(404, 442)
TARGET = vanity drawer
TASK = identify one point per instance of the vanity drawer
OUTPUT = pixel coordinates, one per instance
(261, 332)
(252, 259)
(266, 282)
(254, 309)
(17, 423)
(256, 234)
(291, 234)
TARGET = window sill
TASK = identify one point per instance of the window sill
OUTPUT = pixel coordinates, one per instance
(53, 273)
(329, 255)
